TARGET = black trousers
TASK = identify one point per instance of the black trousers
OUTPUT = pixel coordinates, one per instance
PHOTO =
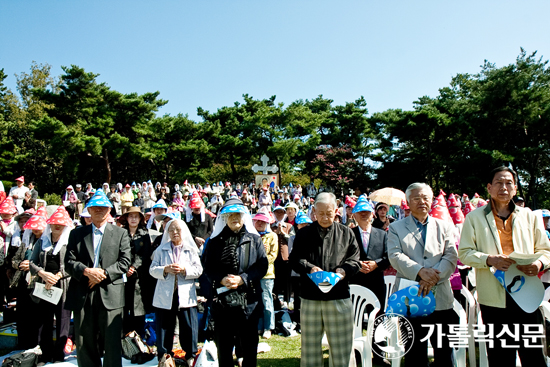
(188, 332)
(418, 354)
(231, 328)
(512, 314)
(282, 279)
(27, 316)
(53, 351)
(98, 333)
(296, 287)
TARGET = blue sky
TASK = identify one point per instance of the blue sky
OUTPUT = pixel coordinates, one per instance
(209, 53)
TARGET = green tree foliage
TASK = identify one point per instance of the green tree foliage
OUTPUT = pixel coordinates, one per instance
(498, 116)
(59, 130)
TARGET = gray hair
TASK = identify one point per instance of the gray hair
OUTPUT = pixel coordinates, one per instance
(326, 198)
(415, 186)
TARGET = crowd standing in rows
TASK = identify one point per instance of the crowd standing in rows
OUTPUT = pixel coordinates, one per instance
(121, 252)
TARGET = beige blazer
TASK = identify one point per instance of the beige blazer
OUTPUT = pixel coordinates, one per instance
(408, 254)
(480, 238)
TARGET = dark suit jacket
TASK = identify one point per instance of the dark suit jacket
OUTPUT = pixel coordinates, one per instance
(115, 255)
(377, 247)
(376, 252)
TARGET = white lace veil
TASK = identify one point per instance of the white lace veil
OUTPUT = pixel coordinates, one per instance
(188, 241)
(221, 222)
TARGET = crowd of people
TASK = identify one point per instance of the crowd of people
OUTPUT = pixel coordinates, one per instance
(118, 253)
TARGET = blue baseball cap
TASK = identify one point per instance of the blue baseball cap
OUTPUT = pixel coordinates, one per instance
(233, 205)
(302, 219)
(160, 204)
(99, 199)
(363, 205)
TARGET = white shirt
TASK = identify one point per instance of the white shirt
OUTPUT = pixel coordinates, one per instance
(20, 192)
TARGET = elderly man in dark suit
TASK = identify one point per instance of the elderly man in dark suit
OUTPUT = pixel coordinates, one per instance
(372, 251)
(97, 256)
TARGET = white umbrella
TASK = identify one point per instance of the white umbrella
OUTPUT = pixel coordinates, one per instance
(388, 195)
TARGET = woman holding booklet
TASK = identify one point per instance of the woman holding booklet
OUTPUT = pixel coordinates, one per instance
(47, 265)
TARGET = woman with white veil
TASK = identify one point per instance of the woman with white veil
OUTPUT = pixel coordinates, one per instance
(176, 264)
(234, 262)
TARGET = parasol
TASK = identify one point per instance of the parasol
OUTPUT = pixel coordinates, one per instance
(388, 195)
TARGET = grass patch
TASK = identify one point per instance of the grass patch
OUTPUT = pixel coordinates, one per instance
(285, 352)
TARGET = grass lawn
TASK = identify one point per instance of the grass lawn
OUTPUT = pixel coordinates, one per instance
(285, 352)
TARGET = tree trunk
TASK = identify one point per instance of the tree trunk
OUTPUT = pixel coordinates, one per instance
(233, 169)
(107, 165)
(279, 170)
(430, 178)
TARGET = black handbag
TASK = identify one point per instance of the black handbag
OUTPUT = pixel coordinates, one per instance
(232, 299)
(22, 359)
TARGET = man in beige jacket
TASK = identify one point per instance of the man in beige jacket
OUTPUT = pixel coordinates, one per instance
(489, 235)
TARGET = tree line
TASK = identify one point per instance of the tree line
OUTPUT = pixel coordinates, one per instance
(62, 129)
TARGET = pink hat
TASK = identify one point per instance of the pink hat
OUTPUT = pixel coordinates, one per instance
(261, 217)
(42, 212)
(60, 216)
(456, 215)
(468, 208)
(8, 206)
(452, 202)
(37, 222)
(195, 201)
(22, 179)
(350, 202)
(439, 208)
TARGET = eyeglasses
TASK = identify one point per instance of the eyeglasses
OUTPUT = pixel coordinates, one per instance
(418, 199)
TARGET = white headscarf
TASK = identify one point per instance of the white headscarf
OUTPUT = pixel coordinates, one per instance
(152, 219)
(16, 237)
(152, 194)
(187, 238)
(47, 239)
(27, 238)
(221, 222)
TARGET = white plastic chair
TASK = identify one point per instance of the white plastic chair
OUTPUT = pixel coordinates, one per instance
(459, 353)
(360, 298)
(471, 314)
(483, 359)
(390, 281)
